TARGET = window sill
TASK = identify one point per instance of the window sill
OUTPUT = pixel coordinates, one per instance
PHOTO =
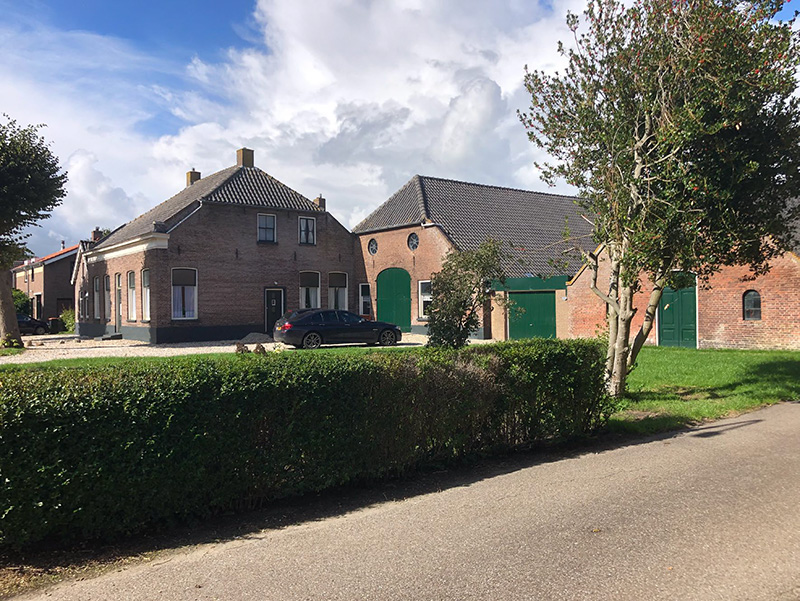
(307, 243)
(130, 321)
(267, 243)
(184, 319)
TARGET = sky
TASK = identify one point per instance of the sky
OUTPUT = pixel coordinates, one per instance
(344, 98)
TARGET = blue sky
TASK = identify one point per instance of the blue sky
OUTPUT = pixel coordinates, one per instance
(348, 98)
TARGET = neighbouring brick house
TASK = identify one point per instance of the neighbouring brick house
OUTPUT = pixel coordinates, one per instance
(222, 258)
(47, 282)
(404, 241)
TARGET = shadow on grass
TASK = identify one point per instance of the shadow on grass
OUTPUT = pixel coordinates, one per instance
(671, 407)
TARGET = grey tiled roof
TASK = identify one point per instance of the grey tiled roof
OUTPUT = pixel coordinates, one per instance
(234, 185)
(531, 225)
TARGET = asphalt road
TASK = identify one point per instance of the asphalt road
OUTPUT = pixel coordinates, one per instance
(712, 513)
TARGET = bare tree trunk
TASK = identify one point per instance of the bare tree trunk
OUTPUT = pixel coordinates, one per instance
(619, 371)
(8, 315)
(649, 320)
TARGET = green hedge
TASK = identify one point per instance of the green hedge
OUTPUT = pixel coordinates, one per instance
(100, 452)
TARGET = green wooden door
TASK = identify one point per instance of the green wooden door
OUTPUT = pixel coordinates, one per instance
(677, 318)
(394, 297)
(532, 315)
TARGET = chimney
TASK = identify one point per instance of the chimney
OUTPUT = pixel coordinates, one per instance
(244, 157)
(320, 202)
(95, 235)
(63, 245)
(191, 177)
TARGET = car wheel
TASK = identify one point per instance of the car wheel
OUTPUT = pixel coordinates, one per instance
(39, 331)
(312, 340)
(387, 338)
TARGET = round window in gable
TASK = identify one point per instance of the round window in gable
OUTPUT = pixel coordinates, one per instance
(372, 246)
(413, 241)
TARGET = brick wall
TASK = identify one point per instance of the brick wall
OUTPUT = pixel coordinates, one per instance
(719, 306)
(721, 323)
(233, 271)
(393, 251)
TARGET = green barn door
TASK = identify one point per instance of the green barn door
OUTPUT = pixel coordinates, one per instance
(677, 318)
(532, 315)
(394, 297)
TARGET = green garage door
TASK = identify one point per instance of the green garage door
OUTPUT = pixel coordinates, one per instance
(532, 315)
(394, 297)
(677, 318)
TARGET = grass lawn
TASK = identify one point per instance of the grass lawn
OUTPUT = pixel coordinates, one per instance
(5, 352)
(672, 387)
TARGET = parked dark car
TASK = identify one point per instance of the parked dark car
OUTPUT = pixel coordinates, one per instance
(309, 328)
(29, 325)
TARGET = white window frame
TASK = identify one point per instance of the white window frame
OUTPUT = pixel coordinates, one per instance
(361, 297)
(332, 293)
(145, 295)
(196, 294)
(107, 292)
(131, 295)
(300, 230)
(96, 299)
(274, 228)
(315, 301)
(421, 298)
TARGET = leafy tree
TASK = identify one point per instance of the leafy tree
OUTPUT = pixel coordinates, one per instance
(22, 302)
(30, 187)
(460, 290)
(677, 122)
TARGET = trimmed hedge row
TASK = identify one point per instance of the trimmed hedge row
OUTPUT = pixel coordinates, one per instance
(100, 452)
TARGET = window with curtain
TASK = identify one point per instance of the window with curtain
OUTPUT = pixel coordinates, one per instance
(337, 291)
(184, 293)
(309, 290)
(308, 234)
(145, 295)
(97, 298)
(107, 291)
(131, 296)
(425, 298)
(365, 304)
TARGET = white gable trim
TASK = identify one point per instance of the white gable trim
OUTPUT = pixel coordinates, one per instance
(153, 241)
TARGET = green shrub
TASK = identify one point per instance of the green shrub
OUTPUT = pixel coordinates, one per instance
(101, 452)
(67, 317)
(22, 302)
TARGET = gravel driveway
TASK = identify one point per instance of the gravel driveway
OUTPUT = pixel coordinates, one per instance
(48, 348)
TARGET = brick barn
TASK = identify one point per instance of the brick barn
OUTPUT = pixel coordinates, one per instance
(222, 258)
(731, 310)
(404, 241)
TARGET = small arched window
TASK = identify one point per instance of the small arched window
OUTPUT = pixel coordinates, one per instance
(751, 306)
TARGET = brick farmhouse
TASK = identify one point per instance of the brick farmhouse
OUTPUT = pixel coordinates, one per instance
(232, 251)
(222, 258)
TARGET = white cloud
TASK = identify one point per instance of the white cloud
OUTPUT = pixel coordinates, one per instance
(348, 98)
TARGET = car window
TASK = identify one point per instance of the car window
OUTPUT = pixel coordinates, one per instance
(329, 317)
(23, 317)
(348, 317)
